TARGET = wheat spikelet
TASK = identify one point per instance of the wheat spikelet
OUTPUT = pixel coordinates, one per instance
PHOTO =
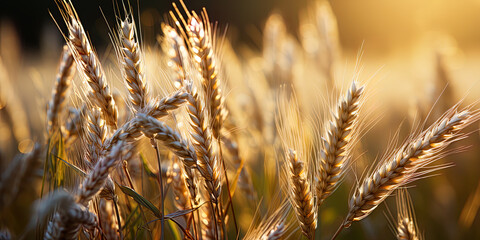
(336, 146)
(207, 164)
(159, 108)
(301, 195)
(98, 176)
(133, 65)
(177, 53)
(89, 65)
(402, 166)
(95, 136)
(128, 132)
(62, 84)
(200, 37)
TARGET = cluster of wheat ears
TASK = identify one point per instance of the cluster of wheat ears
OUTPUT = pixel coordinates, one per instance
(98, 182)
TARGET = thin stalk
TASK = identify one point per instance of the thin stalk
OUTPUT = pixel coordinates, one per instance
(197, 231)
(117, 214)
(338, 231)
(162, 221)
(230, 202)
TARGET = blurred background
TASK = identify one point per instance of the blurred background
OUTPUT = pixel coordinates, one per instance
(384, 25)
(415, 52)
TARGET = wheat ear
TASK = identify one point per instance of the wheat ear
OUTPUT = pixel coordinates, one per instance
(200, 37)
(208, 165)
(301, 195)
(159, 108)
(406, 228)
(68, 220)
(177, 53)
(336, 145)
(153, 128)
(133, 65)
(98, 176)
(403, 165)
(62, 84)
(89, 65)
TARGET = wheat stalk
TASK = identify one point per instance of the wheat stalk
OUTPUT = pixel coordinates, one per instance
(62, 84)
(89, 65)
(336, 146)
(133, 65)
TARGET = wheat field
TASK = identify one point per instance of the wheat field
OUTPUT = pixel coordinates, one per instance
(185, 134)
